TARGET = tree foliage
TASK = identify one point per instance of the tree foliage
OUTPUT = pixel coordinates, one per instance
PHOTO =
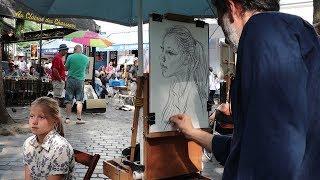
(30, 26)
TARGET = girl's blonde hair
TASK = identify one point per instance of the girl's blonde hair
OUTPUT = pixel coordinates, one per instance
(51, 108)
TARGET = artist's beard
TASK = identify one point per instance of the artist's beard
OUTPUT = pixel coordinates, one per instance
(231, 32)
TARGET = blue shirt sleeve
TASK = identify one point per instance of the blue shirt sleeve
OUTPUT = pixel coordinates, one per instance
(221, 147)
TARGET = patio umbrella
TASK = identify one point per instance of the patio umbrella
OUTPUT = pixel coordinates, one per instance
(124, 12)
(88, 38)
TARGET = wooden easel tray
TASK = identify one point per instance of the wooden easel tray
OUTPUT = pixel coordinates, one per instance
(115, 170)
(193, 176)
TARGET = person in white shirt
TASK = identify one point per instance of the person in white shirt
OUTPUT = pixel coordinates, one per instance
(22, 65)
(214, 85)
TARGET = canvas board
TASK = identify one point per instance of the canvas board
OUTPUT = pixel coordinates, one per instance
(178, 73)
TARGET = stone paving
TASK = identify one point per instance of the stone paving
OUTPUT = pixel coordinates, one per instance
(106, 134)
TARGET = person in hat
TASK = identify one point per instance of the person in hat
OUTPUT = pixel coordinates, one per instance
(58, 72)
(13, 71)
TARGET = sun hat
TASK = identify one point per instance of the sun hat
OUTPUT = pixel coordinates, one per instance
(63, 47)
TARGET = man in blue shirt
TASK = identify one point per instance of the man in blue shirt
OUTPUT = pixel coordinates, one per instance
(275, 96)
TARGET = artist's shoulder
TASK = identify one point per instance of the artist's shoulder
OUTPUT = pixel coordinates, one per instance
(273, 17)
(272, 26)
(273, 22)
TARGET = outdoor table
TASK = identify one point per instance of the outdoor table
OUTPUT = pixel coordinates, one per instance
(23, 90)
(116, 83)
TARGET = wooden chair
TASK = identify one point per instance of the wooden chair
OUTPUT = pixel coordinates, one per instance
(128, 98)
(87, 160)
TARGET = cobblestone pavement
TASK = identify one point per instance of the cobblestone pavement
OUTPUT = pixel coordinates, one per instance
(106, 134)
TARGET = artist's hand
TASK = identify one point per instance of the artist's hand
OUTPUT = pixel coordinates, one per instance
(183, 123)
(212, 118)
(225, 108)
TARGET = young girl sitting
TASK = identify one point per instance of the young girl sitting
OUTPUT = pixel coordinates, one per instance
(47, 154)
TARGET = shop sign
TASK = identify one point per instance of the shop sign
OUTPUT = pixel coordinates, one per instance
(34, 17)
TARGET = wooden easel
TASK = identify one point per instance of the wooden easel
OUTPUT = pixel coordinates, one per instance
(166, 155)
(115, 169)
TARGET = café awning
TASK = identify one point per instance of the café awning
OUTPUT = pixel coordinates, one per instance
(48, 34)
(14, 9)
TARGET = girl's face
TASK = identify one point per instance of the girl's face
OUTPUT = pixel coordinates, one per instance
(171, 58)
(40, 123)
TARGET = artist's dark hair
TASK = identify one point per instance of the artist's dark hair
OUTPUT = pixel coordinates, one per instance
(247, 5)
(51, 107)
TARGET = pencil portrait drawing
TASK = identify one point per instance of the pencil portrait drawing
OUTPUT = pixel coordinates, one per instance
(182, 60)
(183, 67)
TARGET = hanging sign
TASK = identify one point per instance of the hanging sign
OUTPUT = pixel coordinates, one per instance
(34, 17)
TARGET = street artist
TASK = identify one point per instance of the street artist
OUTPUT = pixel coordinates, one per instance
(275, 95)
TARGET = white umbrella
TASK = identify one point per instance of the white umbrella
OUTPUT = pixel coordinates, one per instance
(53, 45)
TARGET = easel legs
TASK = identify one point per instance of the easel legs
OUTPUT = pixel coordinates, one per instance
(138, 105)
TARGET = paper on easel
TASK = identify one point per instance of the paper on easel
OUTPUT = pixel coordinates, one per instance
(179, 72)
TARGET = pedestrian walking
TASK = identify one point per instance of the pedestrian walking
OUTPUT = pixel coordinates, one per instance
(76, 65)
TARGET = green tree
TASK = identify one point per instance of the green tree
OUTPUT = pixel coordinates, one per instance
(4, 115)
(30, 26)
(26, 26)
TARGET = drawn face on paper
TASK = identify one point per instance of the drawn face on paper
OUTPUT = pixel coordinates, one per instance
(171, 58)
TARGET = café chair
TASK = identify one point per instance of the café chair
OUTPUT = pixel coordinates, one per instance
(87, 160)
(127, 98)
(11, 89)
